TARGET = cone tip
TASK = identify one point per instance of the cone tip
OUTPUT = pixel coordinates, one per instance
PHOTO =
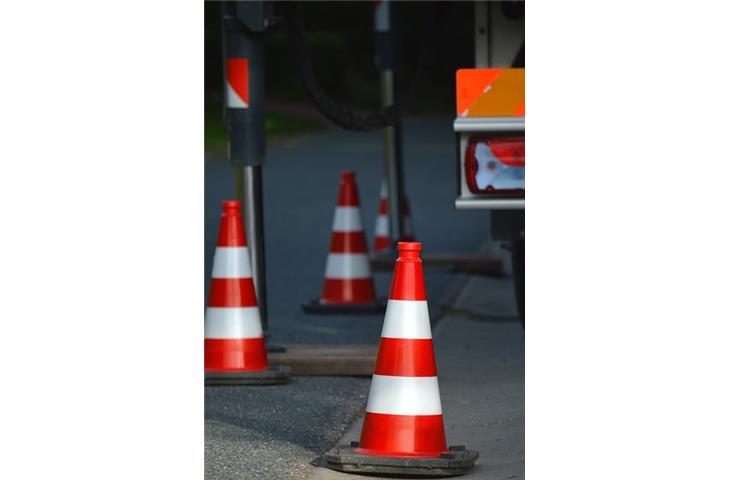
(409, 246)
(231, 204)
(348, 174)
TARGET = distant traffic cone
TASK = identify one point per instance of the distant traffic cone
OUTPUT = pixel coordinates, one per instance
(382, 223)
(235, 352)
(403, 429)
(382, 242)
(348, 283)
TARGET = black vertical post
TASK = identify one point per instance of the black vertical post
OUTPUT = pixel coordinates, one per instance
(243, 26)
(386, 59)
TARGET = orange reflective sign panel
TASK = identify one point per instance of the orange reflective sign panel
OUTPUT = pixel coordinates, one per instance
(490, 92)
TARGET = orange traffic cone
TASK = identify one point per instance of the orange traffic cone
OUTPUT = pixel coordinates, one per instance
(235, 352)
(348, 281)
(382, 242)
(403, 429)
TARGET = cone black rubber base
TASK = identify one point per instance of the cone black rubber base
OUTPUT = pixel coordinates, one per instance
(315, 307)
(276, 374)
(458, 461)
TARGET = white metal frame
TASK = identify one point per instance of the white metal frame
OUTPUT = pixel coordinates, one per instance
(467, 127)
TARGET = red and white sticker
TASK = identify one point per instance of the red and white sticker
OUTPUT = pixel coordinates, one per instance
(237, 91)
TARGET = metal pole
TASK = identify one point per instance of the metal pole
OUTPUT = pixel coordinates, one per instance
(244, 24)
(253, 216)
(386, 59)
(481, 35)
(391, 136)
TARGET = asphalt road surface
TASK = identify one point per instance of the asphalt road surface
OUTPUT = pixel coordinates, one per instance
(274, 432)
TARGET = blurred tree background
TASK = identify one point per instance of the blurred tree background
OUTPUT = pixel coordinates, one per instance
(342, 41)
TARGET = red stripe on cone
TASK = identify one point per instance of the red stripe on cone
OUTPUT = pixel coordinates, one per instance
(232, 292)
(402, 435)
(348, 242)
(406, 357)
(382, 244)
(383, 206)
(230, 233)
(348, 290)
(408, 281)
(235, 354)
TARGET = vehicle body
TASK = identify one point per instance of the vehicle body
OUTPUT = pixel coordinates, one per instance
(490, 129)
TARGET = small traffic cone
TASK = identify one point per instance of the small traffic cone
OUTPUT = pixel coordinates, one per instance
(403, 429)
(382, 242)
(348, 281)
(235, 351)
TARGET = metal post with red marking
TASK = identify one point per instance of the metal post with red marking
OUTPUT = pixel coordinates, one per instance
(348, 281)
(403, 429)
(235, 350)
(244, 24)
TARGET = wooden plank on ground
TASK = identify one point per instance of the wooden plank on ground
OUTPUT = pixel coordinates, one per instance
(327, 360)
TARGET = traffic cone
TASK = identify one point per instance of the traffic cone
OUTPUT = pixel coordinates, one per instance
(381, 245)
(382, 242)
(348, 281)
(235, 351)
(403, 428)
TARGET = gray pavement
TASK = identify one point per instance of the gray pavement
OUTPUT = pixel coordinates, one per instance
(274, 432)
(480, 357)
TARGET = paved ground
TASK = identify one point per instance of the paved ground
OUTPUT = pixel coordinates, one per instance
(274, 432)
(480, 356)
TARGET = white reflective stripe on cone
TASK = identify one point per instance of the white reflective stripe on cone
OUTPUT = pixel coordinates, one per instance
(404, 395)
(383, 190)
(347, 219)
(381, 226)
(347, 265)
(232, 322)
(231, 262)
(406, 319)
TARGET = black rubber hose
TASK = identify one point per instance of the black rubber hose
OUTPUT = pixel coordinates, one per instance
(340, 115)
